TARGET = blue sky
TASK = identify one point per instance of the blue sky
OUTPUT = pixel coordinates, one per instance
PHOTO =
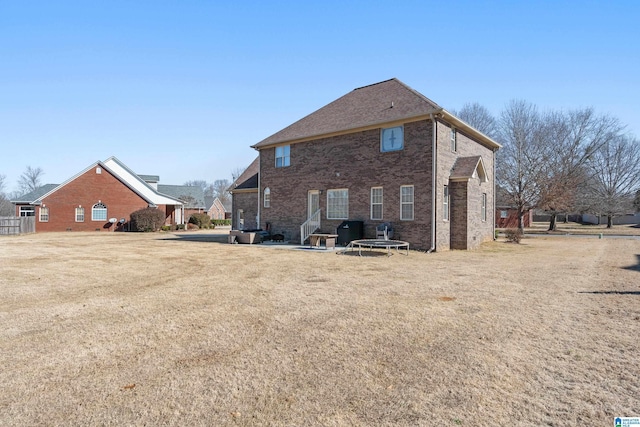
(182, 89)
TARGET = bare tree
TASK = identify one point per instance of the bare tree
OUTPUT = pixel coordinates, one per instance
(479, 117)
(220, 187)
(207, 188)
(615, 177)
(521, 163)
(30, 180)
(571, 139)
(236, 172)
(6, 207)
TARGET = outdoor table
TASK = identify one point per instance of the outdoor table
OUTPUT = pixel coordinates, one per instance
(329, 240)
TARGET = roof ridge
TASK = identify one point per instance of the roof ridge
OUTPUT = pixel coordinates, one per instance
(379, 83)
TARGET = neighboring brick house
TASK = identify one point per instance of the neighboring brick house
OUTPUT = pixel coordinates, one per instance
(244, 199)
(99, 198)
(216, 208)
(506, 214)
(381, 153)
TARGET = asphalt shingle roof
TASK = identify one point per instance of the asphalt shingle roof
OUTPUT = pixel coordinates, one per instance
(192, 196)
(36, 194)
(249, 178)
(378, 103)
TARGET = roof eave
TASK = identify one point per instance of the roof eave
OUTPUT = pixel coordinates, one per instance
(459, 123)
(376, 125)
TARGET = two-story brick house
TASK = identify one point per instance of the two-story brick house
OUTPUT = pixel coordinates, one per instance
(381, 153)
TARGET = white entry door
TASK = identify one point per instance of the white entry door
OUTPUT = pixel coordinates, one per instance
(313, 202)
(240, 219)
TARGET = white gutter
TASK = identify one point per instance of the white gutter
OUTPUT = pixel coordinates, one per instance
(495, 194)
(433, 184)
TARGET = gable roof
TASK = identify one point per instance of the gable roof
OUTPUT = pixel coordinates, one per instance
(387, 101)
(368, 107)
(248, 180)
(192, 196)
(465, 168)
(122, 173)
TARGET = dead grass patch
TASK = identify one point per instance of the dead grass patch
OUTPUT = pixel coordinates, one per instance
(133, 329)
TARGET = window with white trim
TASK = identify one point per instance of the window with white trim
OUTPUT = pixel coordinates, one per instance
(483, 208)
(504, 214)
(27, 211)
(80, 214)
(99, 212)
(338, 204)
(454, 140)
(44, 214)
(445, 203)
(406, 202)
(267, 198)
(376, 202)
(283, 154)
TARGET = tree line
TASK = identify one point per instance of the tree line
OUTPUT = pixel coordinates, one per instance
(574, 161)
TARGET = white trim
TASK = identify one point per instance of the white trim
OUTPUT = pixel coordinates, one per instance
(412, 203)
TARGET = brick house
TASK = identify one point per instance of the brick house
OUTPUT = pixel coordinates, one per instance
(506, 214)
(244, 198)
(99, 198)
(216, 209)
(381, 153)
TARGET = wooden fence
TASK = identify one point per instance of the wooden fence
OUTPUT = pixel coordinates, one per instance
(17, 225)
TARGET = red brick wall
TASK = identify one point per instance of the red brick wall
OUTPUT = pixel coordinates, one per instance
(511, 221)
(352, 161)
(87, 190)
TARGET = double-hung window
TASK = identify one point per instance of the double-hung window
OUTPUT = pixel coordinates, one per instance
(483, 208)
(454, 140)
(80, 214)
(267, 197)
(283, 156)
(445, 203)
(338, 204)
(99, 212)
(406, 202)
(376, 202)
(44, 214)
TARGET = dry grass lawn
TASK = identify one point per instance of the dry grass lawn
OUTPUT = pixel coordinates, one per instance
(168, 329)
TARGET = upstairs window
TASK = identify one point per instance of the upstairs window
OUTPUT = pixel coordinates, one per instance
(392, 139)
(283, 156)
(454, 140)
(44, 214)
(99, 212)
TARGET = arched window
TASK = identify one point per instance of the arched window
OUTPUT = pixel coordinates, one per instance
(99, 212)
(267, 197)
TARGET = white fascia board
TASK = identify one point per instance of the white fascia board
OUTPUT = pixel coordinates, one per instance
(137, 184)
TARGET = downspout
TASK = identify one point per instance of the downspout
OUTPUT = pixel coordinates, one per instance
(433, 184)
(494, 193)
(259, 216)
